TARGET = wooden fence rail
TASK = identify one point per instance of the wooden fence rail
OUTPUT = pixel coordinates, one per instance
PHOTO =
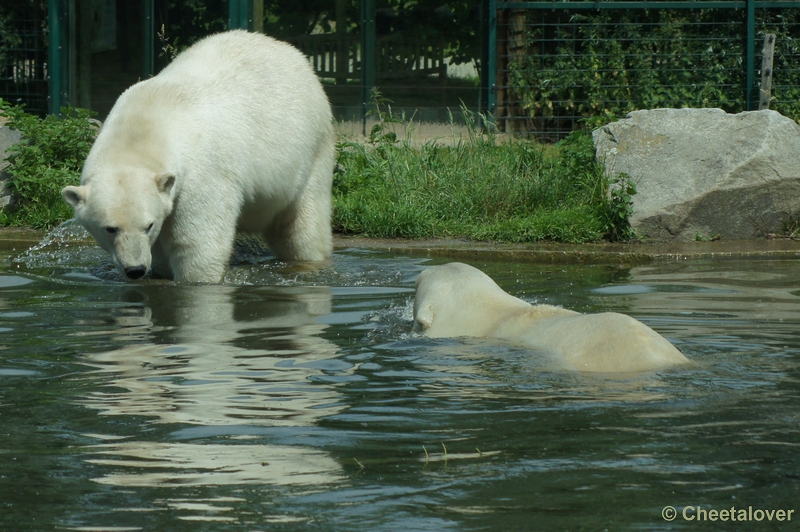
(395, 57)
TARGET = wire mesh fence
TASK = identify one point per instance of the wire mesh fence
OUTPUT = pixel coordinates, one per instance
(23, 56)
(558, 68)
(550, 66)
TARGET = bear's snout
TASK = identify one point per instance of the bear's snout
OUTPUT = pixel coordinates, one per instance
(135, 272)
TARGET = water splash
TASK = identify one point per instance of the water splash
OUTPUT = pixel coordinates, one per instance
(68, 251)
(63, 235)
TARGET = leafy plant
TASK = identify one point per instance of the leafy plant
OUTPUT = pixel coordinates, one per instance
(167, 49)
(381, 108)
(622, 189)
(700, 237)
(48, 158)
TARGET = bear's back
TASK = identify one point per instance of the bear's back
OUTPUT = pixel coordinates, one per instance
(241, 70)
(230, 93)
(238, 52)
(605, 342)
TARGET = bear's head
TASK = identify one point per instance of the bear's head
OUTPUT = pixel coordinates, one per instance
(456, 299)
(124, 214)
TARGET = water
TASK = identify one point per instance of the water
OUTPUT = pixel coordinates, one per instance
(286, 399)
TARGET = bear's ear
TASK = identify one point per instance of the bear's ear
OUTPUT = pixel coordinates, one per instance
(165, 182)
(75, 196)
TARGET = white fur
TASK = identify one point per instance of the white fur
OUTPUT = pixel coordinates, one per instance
(459, 300)
(235, 134)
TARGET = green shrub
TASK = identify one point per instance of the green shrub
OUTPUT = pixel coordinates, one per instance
(48, 158)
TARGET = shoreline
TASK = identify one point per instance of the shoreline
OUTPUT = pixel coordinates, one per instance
(12, 238)
(599, 253)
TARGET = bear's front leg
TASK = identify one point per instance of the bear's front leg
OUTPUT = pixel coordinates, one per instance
(195, 262)
(199, 252)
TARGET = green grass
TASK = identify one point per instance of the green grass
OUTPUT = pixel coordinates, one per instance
(516, 191)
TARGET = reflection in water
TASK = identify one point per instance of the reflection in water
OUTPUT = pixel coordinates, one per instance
(184, 464)
(492, 369)
(231, 405)
(219, 356)
(707, 299)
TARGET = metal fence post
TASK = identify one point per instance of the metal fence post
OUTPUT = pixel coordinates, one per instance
(54, 56)
(237, 14)
(246, 15)
(483, 102)
(750, 55)
(491, 64)
(148, 38)
(58, 65)
(342, 49)
(368, 43)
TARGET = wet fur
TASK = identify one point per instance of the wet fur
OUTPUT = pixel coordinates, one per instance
(458, 300)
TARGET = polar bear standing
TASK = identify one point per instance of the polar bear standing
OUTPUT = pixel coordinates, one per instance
(235, 134)
(459, 300)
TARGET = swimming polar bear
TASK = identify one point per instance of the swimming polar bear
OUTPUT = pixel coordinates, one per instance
(458, 300)
(236, 134)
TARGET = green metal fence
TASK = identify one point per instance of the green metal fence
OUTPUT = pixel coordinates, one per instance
(552, 65)
(547, 65)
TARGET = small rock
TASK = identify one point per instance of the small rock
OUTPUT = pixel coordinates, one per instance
(8, 137)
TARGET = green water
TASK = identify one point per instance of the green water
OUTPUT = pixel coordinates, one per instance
(292, 400)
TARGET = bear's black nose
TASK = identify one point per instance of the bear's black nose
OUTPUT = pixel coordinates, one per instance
(135, 272)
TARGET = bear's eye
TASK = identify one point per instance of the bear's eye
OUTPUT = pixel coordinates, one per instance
(112, 230)
(149, 227)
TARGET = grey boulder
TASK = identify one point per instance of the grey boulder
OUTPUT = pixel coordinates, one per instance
(703, 173)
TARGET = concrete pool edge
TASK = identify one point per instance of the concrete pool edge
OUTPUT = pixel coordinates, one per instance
(13, 238)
